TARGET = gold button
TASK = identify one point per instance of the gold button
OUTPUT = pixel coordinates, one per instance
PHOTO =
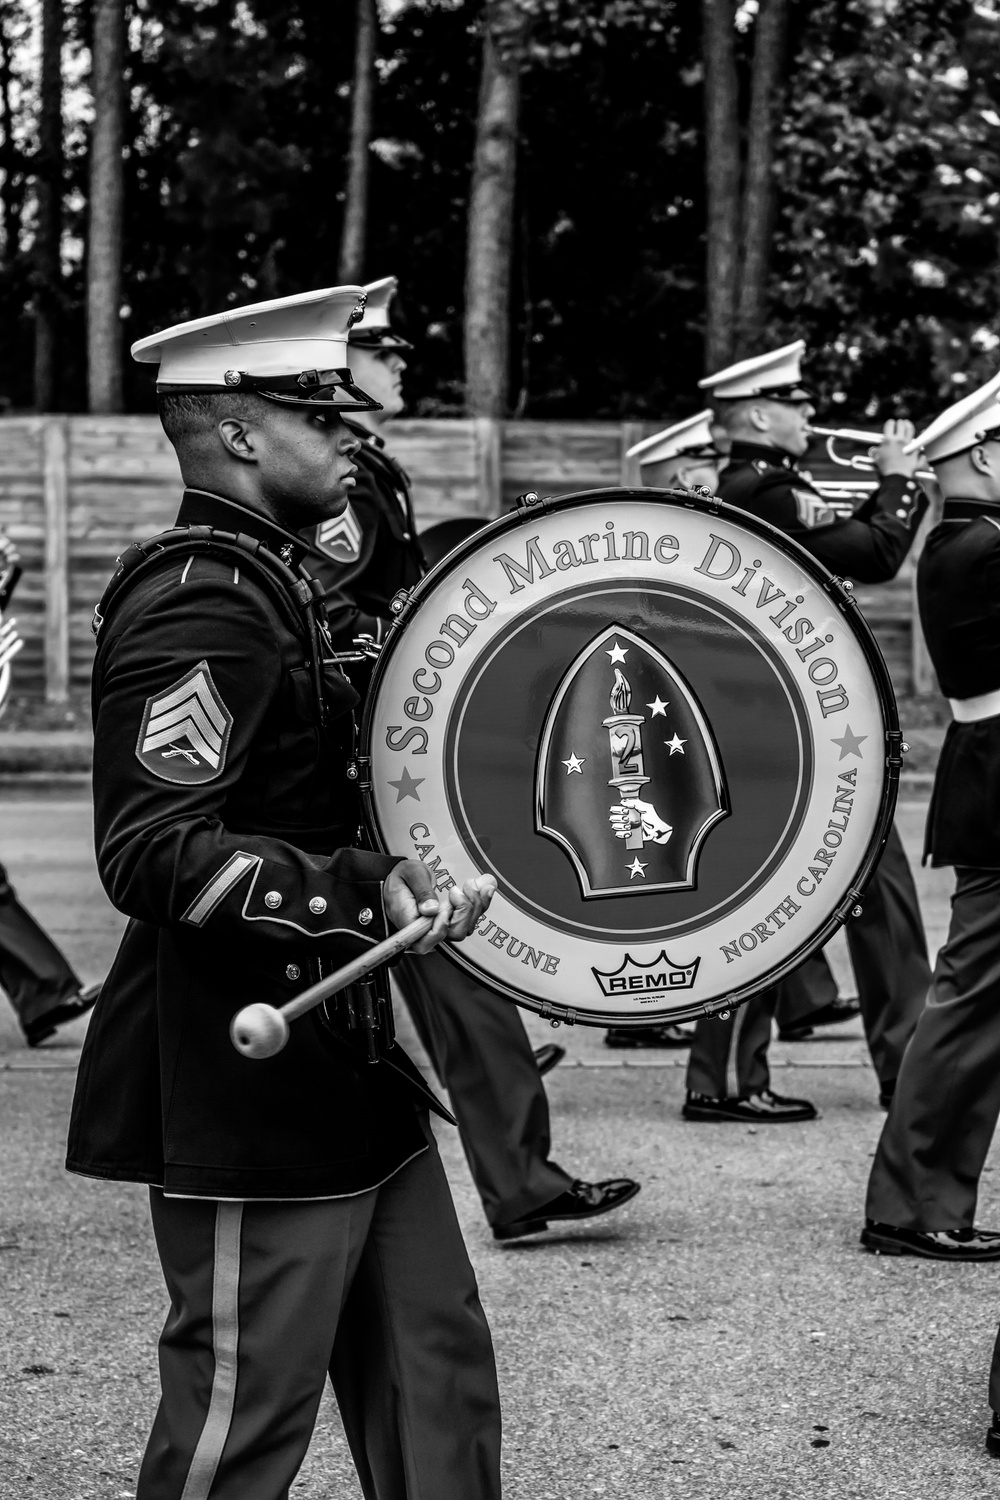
(365, 915)
(293, 971)
(317, 906)
(273, 900)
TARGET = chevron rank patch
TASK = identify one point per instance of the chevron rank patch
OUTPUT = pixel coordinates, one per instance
(185, 730)
(813, 510)
(340, 537)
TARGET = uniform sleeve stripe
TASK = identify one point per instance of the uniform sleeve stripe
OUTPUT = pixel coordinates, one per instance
(219, 886)
(225, 1349)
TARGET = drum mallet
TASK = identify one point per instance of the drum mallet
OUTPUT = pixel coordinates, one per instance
(260, 1030)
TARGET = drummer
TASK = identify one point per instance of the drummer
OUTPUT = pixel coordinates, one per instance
(475, 1039)
(925, 1176)
(766, 408)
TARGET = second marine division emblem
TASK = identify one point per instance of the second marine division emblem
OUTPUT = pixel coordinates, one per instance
(629, 777)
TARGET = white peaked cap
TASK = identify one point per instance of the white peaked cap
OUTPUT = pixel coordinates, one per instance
(962, 426)
(763, 375)
(284, 339)
(373, 329)
(693, 435)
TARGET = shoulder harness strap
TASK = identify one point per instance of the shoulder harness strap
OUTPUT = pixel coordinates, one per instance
(298, 597)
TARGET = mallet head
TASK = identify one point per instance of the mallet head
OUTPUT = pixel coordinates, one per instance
(259, 1031)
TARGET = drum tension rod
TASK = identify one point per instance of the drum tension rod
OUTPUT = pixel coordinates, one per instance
(400, 604)
(531, 504)
(846, 588)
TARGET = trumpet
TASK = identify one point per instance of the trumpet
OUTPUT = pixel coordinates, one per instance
(860, 461)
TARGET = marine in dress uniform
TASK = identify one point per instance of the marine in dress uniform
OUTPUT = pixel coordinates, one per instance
(767, 409)
(475, 1039)
(36, 977)
(301, 1213)
(925, 1175)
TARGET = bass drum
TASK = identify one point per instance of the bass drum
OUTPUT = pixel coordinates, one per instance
(661, 725)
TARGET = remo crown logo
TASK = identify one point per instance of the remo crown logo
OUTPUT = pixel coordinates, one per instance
(657, 727)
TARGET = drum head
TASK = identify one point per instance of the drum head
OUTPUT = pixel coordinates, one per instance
(661, 726)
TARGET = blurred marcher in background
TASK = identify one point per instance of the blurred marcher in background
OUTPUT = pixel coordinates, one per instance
(34, 975)
(475, 1039)
(925, 1177)
(767, 410)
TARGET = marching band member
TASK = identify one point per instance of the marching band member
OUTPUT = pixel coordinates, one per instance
(766, 409)
(301, 1213)
(36, 977)
(925, 1176)
(475, 1039)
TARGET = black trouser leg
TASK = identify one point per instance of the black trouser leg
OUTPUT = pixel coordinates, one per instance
(808, 989)
(33, 973)
(889, 953)
(929, 1159)
(480, 1051)
(267, 1297)
(729, 1058)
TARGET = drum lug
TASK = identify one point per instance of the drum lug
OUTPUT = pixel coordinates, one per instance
(531, 504)
(895, 748)
(400, 604)
(850, 906)
(846, 590)
(358, 769)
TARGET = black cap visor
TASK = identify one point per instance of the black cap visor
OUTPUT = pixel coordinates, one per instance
(376, 338)
(333, 389)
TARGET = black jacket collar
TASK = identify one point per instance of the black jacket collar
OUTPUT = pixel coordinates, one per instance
(958, 508)
(743, 452)
(200, 508)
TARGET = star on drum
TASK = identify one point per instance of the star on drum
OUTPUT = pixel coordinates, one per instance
(676, 745)
(850, 744)
(637, 868)
(575, 763)
(407, 785)
(617, 653)
(658, 706)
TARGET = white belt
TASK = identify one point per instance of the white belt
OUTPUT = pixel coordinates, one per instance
(970, 710)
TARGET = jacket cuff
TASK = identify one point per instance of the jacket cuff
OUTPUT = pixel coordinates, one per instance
(323, 912)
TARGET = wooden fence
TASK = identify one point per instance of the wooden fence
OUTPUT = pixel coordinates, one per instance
(75, 491)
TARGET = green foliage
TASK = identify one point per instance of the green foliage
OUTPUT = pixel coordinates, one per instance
(889, 182)
(888, 170)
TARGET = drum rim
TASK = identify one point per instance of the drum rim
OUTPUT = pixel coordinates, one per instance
(842, 597)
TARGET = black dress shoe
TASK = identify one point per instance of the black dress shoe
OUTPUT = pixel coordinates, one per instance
(932, 1244)
(549, 1056)
(40, 1030)
(993, 1436)
(835, 1014)
(582, 1200)
(664, 1034)
(764, 1108)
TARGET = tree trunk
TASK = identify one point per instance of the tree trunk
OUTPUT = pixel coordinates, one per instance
(352, 240)
(48, 193)
(759, 192)
(104, 248)
(491, 210)
(722, 172)
(8, 225)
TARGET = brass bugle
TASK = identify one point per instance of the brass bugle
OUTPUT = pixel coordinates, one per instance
(861, 461)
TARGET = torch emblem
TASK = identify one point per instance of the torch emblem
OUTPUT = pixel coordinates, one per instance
(649, 785)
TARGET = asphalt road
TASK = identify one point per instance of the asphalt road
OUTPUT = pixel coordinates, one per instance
(722, 1336)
